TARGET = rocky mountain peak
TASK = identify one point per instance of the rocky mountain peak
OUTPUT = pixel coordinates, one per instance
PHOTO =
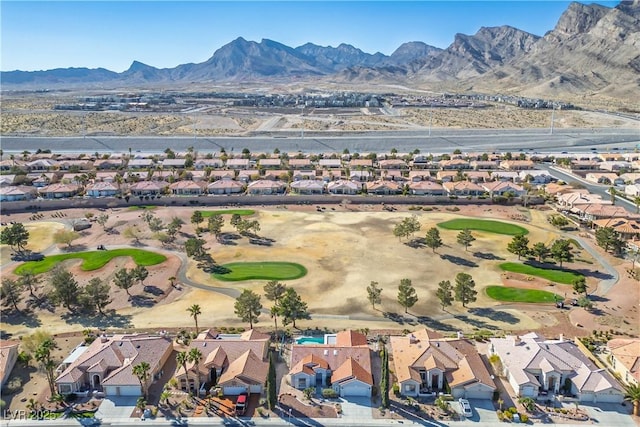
(579, 18)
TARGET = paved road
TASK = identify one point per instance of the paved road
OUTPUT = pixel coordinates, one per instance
(441, 140)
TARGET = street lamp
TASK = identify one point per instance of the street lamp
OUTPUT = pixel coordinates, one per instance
(289, 415)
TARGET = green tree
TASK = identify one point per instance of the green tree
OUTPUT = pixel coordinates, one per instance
(30, 281)
(373, 294)
(11, 292)
(16, 236)
(465, 238)
(407, 296)
(195, 247)
(519, 245)
(613, 192)
(102, 219)
(607, 238)
(141, 404)
(182, 358)
(580, 285)
(528, 403)
(274, 290)
(43, 356)
(196, 219)
(132, 233)
(194, 356)
(235, 220)
(142, 371)
(248, 306)
(65, 289)
(195, 311)
(444, 293)
(140, 273)
(123, 279)
(400, 231)
(66, 237)
(632, 394)
(215, 224)
(174, 226)
(30, 343)
(292, 307)
(272, 397)
(561, 251)
(585, 302)
(465, 289)
(540, 251)
(98, 293)
(558, 221)
(432, 239)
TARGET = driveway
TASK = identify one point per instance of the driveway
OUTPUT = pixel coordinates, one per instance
(356, 409)
(482, 411)
(116, 407)
(610, 414)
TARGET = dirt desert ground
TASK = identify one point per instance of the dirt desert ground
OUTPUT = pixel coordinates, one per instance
(344, 250)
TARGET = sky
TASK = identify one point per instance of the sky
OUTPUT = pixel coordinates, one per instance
(40, 35)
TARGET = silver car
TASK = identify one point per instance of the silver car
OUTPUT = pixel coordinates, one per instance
(466, 407)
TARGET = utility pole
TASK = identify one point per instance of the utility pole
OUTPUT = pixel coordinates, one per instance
(553, 110)
(430, 118)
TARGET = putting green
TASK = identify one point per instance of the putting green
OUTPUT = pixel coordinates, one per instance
(92, 260)
(261, 271)
(566, 277)
(489, 226)
(504, 293)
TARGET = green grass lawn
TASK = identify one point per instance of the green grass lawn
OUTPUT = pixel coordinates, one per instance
(560, 276)
(490, 226)
(141, 207)
(504, 293)
(242, 212)
(92, 260)
(261, 271)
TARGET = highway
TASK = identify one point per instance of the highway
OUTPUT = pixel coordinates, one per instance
(440, 141)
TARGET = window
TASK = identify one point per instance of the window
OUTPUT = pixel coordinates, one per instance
(302, 383)
(410, 388)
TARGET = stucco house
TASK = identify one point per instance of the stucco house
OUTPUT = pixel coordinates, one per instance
(343, 187)
(235, 363)
(188, 188)
(426, 363)
(625, 358)
(307, 187)
(540, 368)
(59, 191)
(102, 189)
(225, 186)
(107, 364)
(342, 363)
(8, 357)
(265, 186)
(426, 188)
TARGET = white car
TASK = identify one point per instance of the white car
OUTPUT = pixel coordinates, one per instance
(466, 407)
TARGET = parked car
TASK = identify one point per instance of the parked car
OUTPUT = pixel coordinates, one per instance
(466, 407)
(241, 403)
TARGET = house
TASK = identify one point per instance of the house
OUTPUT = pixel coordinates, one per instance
(342, 363)
(540, 368)
(463, 188)
(216, 175)
(214, 163)
(6, 180)
(8, 357)
(598, 211)
(484, 164)
(505, 176)
(534, 176)
(454, 164)
(83, 165)
(628, 229)
(303, 174)
(140, 164)
(59, 191)
(615, 166)
(300, 163)
(426, 188)
(330, 163)
(501, 188)
(147, 188)
(516, 165)
(579, 197)
(578, 165)
(107, 364)
(392, 175)
(361, 164)
(276, 174)
(426, 363)
(631, 177)
(238, 163)
(107, 163)
(606, 178)
(343, 187)
(173, 163)
(247, 175)
(107, 176)
(41, 165)
(235, 363)
(264, 186)
(625, 358)
(8, 164)
(392, 164)
(360, 175)
(102, 189)
(269, 163)
(307, 187)
(40, 180)
(225, 186)
(632, 190)
(383, 187)
(188, 188)
(14, 194)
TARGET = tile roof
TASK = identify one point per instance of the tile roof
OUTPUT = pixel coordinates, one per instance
(248, 369)
(351, 369)
(627, 352)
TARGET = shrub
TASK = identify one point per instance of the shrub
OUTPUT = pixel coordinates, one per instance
(24, 358)
(524, 418)
(329, 393)
(396, 389)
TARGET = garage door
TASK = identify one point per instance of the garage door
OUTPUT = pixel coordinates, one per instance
(477, 394)
(122, 391)
(355, 390)
(255, 389)
(527, 392)
(233, 391)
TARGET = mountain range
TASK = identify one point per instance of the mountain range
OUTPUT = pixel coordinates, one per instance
(593, 50)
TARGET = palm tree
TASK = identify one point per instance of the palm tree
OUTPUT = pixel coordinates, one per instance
(632, 394)
(636, 201)
(141, 370)
(164, 397)
(194, 356)
(181, 359)
(194, 311)
(274, 312)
